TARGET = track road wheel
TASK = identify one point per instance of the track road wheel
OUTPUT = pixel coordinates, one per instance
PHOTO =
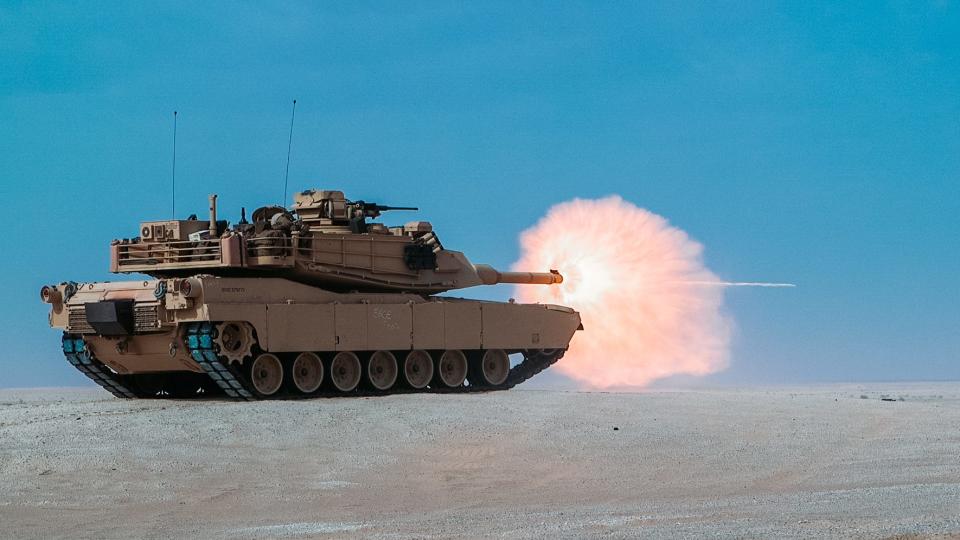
(452, 368)
(493, 368)
(417, 369)
(382, 370)
(307, 372)
(266, 374)
(345, 371)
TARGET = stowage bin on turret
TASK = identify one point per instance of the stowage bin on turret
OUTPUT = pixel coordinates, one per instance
(315, 300)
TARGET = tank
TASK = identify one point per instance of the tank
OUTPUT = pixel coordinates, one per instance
(316, 300)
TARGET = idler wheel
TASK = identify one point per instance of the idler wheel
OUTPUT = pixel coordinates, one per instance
(382, 370)
(494, 367)
(307, 372)
(235, 340)
(345, 371)
(452, 368)
(266, 374)
(418, 369)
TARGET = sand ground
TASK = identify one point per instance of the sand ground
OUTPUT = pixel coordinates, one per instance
(834, 461)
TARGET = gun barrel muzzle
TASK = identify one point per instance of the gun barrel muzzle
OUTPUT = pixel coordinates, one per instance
(491, 276)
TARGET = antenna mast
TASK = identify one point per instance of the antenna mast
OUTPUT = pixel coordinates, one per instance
(286, 174)
(173, 172)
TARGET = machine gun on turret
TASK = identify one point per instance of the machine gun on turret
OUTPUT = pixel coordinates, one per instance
(361, 210)
(373, 210)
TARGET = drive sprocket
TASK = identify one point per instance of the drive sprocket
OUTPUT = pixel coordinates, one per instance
(234, 340)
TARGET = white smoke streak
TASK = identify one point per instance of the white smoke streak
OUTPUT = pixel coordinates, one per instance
(739, 284)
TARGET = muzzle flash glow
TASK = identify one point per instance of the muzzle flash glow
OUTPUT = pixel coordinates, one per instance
(638, 283)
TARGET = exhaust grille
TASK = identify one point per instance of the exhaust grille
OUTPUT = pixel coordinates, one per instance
(78, 321)
(145, 319)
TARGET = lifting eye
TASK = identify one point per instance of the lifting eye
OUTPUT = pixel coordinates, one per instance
(161, 290)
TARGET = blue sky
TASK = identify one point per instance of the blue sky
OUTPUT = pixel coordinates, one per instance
(806, 142)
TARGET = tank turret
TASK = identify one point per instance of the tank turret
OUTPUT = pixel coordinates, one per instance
(324, 239)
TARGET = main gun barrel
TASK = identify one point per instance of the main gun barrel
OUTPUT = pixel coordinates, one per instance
(491, 276)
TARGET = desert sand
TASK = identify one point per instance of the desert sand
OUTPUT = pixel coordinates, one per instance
(835, 461)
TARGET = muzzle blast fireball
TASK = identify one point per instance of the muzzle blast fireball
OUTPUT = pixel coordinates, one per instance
(650, 307)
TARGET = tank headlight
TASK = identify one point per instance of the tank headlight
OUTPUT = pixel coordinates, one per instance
(189, 288)
(50, 294)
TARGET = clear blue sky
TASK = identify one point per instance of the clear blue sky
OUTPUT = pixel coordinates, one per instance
(803, 142)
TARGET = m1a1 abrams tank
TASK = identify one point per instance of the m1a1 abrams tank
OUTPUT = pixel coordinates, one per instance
(311, 301)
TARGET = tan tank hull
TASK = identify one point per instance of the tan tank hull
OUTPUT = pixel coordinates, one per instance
(272, 337)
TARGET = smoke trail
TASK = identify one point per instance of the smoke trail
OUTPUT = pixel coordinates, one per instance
(740, 284)
(638, 283)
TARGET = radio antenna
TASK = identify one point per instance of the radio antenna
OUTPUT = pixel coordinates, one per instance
(173, 172)
(286, 174)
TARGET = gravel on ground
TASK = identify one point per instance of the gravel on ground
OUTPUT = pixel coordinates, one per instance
(859, 461)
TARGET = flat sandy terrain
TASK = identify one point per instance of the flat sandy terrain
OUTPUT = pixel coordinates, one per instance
(801, 462)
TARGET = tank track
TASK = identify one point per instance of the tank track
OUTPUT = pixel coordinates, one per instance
(200, 342)
(77, 353)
